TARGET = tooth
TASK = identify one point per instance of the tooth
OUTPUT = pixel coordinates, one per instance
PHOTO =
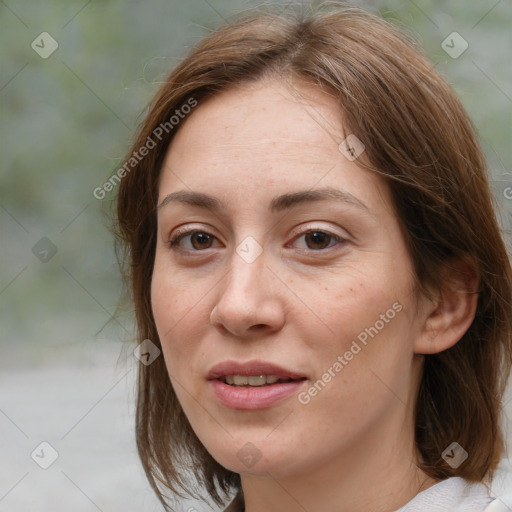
(240, 380)
(253, 380)
(257, 380)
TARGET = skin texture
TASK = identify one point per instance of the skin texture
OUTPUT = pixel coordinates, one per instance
(351, 448)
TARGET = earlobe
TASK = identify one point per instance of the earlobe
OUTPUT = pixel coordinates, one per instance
(448, 316)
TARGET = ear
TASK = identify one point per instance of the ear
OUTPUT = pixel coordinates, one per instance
(451, 310)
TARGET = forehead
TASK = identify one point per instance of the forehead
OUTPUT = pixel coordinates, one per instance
(256, 117)
(266, 136)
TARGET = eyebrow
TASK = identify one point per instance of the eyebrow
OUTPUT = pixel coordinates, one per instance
(278, 204)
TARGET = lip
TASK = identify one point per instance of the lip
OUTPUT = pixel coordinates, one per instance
(255, 397)
(251, 368)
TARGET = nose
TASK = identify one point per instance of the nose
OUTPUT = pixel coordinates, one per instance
(249, 301)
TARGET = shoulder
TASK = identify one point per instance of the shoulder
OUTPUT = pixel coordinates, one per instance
(501, 488)
(452, 495)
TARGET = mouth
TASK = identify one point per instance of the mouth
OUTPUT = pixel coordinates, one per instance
(255, 381)
(253, 385)
(252, 373)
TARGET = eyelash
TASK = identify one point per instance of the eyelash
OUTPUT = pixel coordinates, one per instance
(174, 241)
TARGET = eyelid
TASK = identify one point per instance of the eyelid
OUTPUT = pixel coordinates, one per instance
(339, 240)
(180, 232)
(306, 228)
(187, 228)
(177, 235)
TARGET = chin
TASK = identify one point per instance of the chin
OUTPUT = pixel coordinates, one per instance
(258, 458)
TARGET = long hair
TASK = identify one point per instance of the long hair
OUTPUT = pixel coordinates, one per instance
(416, 134)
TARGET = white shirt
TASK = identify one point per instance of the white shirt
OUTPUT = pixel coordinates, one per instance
(454, 495)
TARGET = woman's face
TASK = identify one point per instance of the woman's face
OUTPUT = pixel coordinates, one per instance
(294, 267)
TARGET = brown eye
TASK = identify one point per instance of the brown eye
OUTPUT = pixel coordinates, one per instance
(194, 241)
(317, 239)
(200, 240)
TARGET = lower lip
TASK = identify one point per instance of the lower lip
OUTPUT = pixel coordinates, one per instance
(255, 397)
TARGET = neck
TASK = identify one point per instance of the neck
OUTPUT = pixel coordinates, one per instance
(383, 488)
(376, 474)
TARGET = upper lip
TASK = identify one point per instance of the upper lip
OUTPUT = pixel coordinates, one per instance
(251, 368)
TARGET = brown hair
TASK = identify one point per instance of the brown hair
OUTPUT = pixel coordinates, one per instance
(418, 135)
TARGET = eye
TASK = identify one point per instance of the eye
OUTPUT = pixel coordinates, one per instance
(316, 239)
(197, 240)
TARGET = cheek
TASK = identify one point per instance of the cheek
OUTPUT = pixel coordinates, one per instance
(356, 304)
(367, 338)
(175, 306)
(363, 371)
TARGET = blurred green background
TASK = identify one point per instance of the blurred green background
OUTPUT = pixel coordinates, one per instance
(68, 119)
(66, 122)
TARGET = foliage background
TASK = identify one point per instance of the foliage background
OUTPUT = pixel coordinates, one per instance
(66, 123)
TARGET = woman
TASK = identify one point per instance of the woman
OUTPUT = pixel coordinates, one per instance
(311, 244)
